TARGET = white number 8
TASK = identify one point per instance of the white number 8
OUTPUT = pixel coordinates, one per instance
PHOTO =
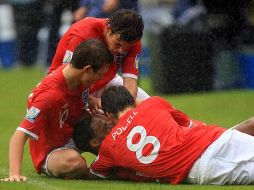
(144, 140)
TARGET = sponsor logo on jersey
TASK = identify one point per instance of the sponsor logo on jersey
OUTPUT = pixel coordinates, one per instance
(68, 56)
(32, 114)
(136, 61)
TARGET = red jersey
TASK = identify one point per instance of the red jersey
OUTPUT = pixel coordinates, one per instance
(88, 28)
(153, 142)
(53, 109)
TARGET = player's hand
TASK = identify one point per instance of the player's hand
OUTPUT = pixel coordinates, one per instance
(15, 178)
(95, 106)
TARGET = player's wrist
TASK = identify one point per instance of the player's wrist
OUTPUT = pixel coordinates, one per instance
(14, 173)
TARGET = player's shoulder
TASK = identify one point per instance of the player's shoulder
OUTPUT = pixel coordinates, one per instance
(151, 104)
(157, 99)
(47, 97)
(89, 22)
(153, 100)
(88, 27)
(47, 90)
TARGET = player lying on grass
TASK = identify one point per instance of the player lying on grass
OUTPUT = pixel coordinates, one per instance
(151, 142)
(54, 106)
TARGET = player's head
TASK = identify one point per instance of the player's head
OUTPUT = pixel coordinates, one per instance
(93, 58)
(89, 133)
(91, 52)
(124, 29)
(116, 99)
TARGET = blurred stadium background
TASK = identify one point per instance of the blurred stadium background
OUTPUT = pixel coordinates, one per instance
(201, 59)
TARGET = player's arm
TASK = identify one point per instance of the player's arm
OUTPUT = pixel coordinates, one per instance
(93, 176)
(184, 120)
(73, 42)
(246, 127)
(16, 149)
(127, 174)
(130, 69)
(63, 55)
(29, 128)
(181, 118)
(102, 166)
(132, 85)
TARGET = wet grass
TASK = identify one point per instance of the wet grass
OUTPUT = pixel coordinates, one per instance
(225, 108)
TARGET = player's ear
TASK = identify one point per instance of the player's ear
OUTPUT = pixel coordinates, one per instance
(87, 69)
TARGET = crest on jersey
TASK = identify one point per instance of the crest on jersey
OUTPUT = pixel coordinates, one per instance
(119, 58)
(68, 56)
(32, 114)
(85, 95)
(136, 60)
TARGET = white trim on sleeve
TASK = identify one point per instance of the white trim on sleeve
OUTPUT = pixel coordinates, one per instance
(99, 175)
(130, 75)
(36, 137)
(190, 125)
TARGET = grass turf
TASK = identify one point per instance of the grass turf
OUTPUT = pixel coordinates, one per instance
(225, 108)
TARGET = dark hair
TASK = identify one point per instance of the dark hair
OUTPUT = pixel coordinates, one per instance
(91, 52)
(128, 24)
(115, 99)
(83, 133)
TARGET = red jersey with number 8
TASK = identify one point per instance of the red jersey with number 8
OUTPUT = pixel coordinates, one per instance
(154, 142)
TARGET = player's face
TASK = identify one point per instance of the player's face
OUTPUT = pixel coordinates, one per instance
(101, 128)
(90, 76)
(116, 45)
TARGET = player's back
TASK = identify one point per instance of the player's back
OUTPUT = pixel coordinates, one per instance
(149, 141)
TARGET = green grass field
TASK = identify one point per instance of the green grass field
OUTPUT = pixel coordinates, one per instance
(224, 108)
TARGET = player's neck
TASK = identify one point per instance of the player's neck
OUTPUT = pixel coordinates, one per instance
(121, 113)
(71, 77)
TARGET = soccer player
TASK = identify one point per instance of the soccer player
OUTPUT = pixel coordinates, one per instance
(149, 143)
(54, 106)
(122, 34)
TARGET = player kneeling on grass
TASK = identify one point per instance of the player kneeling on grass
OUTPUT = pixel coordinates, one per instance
(54, 106)
(151, 142)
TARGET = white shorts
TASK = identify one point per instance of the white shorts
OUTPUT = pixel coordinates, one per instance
(118, 81)
(44, 166)
(228, 160)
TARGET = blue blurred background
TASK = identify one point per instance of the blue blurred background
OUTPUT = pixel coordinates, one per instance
(188, 45)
